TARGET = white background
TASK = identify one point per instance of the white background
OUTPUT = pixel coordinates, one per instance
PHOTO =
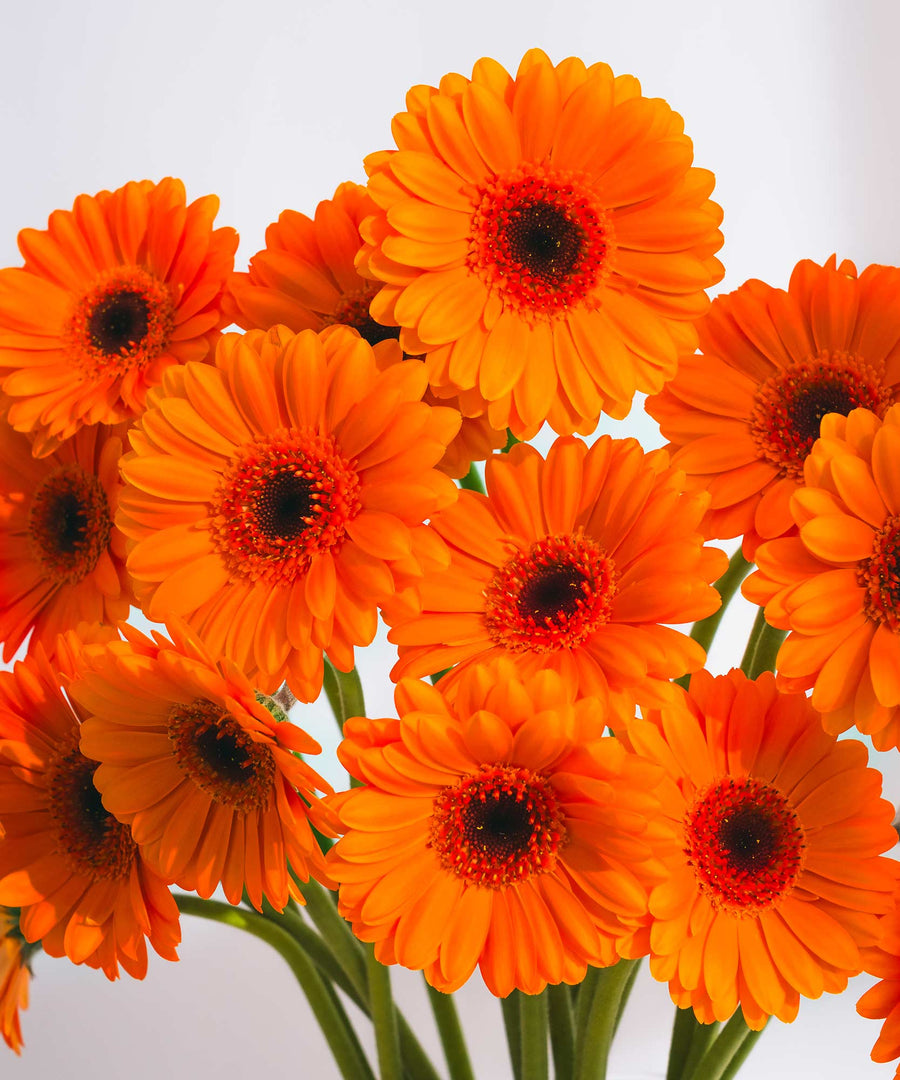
(271, 105)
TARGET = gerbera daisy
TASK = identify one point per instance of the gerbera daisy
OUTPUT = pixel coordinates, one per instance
(571, 563)
(209, 779)
(112, 293)
(778, 878)
(84, 887)
(503, 831)
(306, 279)
(62, 560)
(835, 585)
(543, 238)
(15, 975)
(882, 1001)
(743, 414)
(276, 499)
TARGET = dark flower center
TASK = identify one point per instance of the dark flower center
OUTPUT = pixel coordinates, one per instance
(220, 757)
(748, 839)
(282, 505)
(552, 593)
(284, 498)
(541, 237)
(787, 414)
(119, 322)
(69, 524)
(552, 596)
(745, 843)
(124, 321)
(497, 826)
(89, 837)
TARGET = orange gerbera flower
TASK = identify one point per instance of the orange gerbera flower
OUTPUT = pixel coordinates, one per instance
(277, 499)
(84, 888)
(209, 779)
(15, 975)
(503, 831)
(882, 1001)
(112, 293)
(570, 563)
(306, 279)
(743, 415)
(62, 560)
(778, 877)
(835, 585)
(543, 238)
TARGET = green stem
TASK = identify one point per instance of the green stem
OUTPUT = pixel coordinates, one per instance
(533, 1035)
(328, 1011)
(690, 1041)
(319, 952)
(626, 994)
(384, 1017)
(702, 1038)
(762, 647)
(344, 692)
(704, 630)
(584, 997)
(718, 1059)
(472, 480)
(511, 1021)
(741, 1055)
(593, 1051)
(680, 1043)
(562, 1030)
(450, 1030)
(337, 934)
(341, 956)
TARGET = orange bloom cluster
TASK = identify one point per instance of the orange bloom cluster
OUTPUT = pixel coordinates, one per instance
(62, 558)
(567, 563)
(537, 248)
(742, 414)
(543, 239)
(777, 878)
(306, 279)
(84, 887)
(277, 498)
(208, 776)
(112, 293)
(835, 584)
(502, 830)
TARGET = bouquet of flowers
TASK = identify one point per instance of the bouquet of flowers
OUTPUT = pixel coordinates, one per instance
(564, 790)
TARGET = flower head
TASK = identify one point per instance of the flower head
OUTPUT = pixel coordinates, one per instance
(112, 293)
(543, 238)
(503, 831)
(210, 780)
(778, 876)
(62, 560)
(276, 499)
(567, 563)
(84, 887)
(742, 415)
(834, 585)
(306, 279)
